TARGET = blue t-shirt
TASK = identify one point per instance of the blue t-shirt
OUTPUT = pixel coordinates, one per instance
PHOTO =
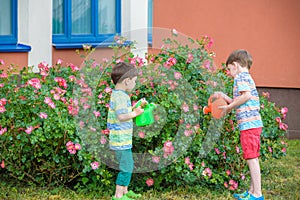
(247, 114)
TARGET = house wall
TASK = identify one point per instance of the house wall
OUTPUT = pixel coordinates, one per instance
(269, 29)
(287, 98)
(70, 56)
(19, 60)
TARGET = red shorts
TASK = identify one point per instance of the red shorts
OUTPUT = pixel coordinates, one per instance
(250, 141)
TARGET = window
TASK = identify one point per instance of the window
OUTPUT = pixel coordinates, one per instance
(8, 22)
(85, 21)
(9, 27)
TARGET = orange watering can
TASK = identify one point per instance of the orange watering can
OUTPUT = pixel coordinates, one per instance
(146, 118)
(212, 107)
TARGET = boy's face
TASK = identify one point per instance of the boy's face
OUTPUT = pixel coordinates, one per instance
(233, 69)
(130, 83)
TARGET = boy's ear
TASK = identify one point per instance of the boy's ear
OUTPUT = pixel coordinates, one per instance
(236, 64)
(126, 81)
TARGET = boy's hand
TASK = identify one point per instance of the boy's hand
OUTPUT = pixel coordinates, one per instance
(222, 95)
(143, 102)
(225, 109)
(138, 111)
(218, 95)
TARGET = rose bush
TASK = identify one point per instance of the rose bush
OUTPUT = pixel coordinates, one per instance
(38, 137)
(53, 124)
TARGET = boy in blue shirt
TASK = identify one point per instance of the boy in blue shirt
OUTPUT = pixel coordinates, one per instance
(246, 102)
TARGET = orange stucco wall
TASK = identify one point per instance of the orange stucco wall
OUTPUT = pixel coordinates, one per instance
(71, 55)
(19, 60)
(269, 29)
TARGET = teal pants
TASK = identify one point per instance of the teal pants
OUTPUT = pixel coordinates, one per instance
(125, 160)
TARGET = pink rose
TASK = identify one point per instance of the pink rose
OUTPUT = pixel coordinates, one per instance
(2, 109)
(283, 126)
(266, 94)
(97, 114)
(270, 149)
(155, 159)
(141, 134)
(185, 107)
(191, 166)
(149, 182)
(43, 115)
(59, 62)
(283, 150)
(177, 75)
(3, 130)
(217, 151)
(34, 82)
(103, 140)
(187, 160)
(228, 172)
(77, 146)
(207, 171)
(29, 130)
(237, 149)
(226, 184)
(189, 58)
(2, 164)
(277, 119)
(95, 165)
(242, 176)
(284, 110)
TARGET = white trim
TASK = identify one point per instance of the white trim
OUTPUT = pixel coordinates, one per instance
(135, 24)
(23, 21)
(35, 29)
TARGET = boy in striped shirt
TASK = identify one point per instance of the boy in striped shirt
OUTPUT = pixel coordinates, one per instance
(247, 105)
(120, 124)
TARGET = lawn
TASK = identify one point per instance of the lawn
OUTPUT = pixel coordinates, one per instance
(280, 180)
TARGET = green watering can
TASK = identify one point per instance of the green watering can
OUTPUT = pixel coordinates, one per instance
(146, 118)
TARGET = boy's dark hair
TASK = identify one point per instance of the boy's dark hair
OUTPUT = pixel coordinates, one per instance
(241, 56)
(123, 70)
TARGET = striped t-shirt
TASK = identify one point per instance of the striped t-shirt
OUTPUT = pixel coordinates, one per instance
(120, 134)
(247, 114)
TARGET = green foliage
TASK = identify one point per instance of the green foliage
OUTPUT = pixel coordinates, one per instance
(280, 180)
(183, 147)
(38, 136)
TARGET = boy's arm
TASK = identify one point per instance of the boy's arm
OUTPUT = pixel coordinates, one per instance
(245, 96)
(224, 96)
(136, 112)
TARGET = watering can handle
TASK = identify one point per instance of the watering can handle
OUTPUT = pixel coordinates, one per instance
(142, 102)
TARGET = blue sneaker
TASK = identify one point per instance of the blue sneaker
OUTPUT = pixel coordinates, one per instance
(244, 194)
(251, 197)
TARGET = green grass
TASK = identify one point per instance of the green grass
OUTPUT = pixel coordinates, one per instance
(280, 180)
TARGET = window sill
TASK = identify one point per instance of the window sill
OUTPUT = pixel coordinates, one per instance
(14, 48)
(80, 45)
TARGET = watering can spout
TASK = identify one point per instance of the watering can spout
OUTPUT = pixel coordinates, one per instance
(213, 107)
